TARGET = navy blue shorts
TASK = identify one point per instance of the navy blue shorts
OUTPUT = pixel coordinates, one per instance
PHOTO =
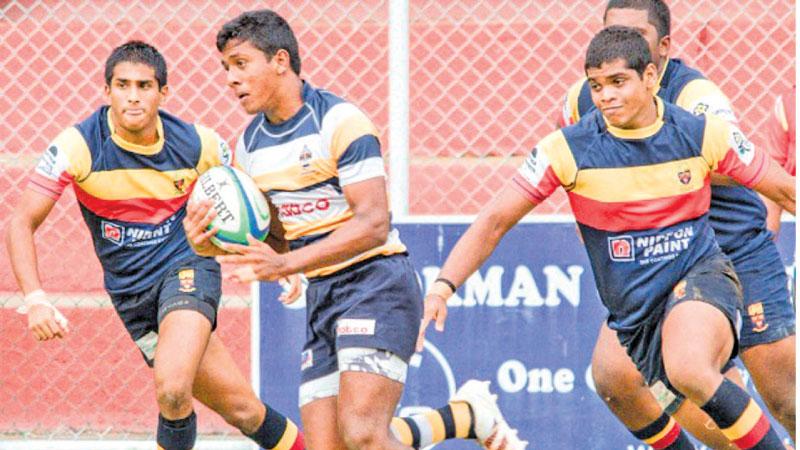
(713, 281)
(375, 303)
(768, 313)
(193, 283)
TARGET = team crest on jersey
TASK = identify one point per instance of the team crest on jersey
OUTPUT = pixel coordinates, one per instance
(685, 176)
(756, 313)
(112, 232)
(305, 158)
(186, 279)
(621, 248)
(180, 185)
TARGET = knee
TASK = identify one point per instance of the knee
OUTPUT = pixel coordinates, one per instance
(244, 415)
(359, 434)
(782, 407)
(696, 383)
(174, 398)
(615, 384)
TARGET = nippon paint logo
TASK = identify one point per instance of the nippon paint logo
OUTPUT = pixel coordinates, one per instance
(511, 287)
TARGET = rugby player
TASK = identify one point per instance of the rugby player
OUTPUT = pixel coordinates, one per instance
(317, 158)
(132, 167)
(738, 218)
(637, 172)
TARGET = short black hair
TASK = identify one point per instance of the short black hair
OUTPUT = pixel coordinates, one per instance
(617, 42)
(141, 53)
(657, 13)
(266, 30)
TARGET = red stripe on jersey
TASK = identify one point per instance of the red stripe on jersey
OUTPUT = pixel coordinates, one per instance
(748, 175)
(48, 186)
(642, 214)
(141, 210)
(539, 193)
(755, 435)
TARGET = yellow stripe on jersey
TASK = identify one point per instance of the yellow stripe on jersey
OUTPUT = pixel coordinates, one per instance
(347, 131)
(209, 148)
(630, 184)
(296, 177)
(715, 140)
(572, 100)
(300, 229)
(697, 89)
(386, 249)
(561, 160)
(151, 149)
(71, 142)
(124, 184)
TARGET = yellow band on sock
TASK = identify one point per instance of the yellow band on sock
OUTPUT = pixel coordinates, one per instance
(288, 438)
(662, 433)
(402, 431)
(462, 418)
(437, 425)
(745, 423)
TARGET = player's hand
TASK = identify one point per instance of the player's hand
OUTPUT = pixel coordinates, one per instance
(44, 320)
(435, 309)
(292, 288)
(198, 217)
(255, 261)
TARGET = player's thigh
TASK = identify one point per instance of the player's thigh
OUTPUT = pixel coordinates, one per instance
(612, 368)
(320, 425)
(182, 340)
(221, 386)
(368, 400)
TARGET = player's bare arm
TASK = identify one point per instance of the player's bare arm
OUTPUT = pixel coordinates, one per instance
(778, 186)
(44, 321)
(367, 229)
(471, 250)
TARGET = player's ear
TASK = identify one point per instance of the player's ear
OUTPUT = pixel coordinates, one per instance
(107, 93)
(650, 76)
(164, 91)
(281, 61)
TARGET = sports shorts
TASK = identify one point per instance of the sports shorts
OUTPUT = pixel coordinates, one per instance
(193, 283)
(370, 312)
(712, 280)
(769, 313)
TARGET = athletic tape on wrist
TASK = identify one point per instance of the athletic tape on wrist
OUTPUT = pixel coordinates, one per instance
(38, 297)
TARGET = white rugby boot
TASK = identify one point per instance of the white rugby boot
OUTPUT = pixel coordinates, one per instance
(491, 429)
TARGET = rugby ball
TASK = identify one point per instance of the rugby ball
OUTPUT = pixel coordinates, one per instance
(241, 207)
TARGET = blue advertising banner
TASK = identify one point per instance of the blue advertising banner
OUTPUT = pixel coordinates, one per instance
(527, 321)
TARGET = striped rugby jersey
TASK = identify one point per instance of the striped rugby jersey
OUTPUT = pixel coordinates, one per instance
(738, 215)
(303, 163)
(641, 198)
(132, 197)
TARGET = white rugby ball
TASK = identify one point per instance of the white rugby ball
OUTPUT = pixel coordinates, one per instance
(240, 205)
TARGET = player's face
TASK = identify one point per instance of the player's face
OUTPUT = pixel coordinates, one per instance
(637, 19)
(624, 98)
(254, 79)
(134, 97)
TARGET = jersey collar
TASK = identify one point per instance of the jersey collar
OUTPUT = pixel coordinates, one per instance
(661, 77)
(151, 149)
(640, 133)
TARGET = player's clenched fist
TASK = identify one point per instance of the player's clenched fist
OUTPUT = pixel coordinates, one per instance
(44, 320)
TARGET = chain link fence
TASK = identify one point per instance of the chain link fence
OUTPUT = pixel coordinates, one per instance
(486, 82)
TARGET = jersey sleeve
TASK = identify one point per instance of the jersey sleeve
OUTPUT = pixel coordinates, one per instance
(66, 159)
(729, 152)
(353, 143)
(214, 150)
(702, 96)
(570, 112)
(549, 165)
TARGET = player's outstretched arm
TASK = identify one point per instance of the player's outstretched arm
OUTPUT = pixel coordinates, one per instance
(778, 186)
(471, 250)
(44, 320)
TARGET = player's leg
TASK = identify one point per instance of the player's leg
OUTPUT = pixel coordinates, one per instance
(698, 340)
(187, 298)
(772, 368)
(472, 413)
(320, 423)
(768, 332)
(221, 386)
